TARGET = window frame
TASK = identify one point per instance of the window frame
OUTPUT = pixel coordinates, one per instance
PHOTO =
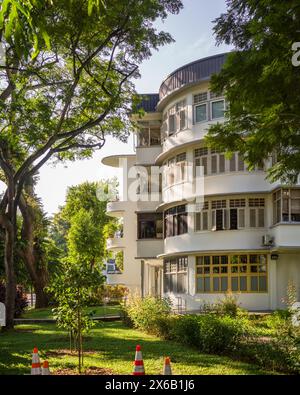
(211, 108)
(181, 263)
(234, 270)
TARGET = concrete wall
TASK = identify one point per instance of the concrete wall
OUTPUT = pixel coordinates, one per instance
(288, 271)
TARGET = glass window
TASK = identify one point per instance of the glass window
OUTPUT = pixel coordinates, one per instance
(172, 124)
(176, 221)
(247, 273)
(214, 159)
(200, 113)
(232, 163)
(175, 277)
(217, 109)
(286, 205)
(221, 163)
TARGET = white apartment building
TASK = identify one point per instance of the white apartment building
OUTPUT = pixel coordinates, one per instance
(244, 239)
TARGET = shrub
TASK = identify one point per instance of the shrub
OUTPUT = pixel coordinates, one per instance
(21, 301)
(148, 314)
(227, 306)
(219, 334)
(187, 330)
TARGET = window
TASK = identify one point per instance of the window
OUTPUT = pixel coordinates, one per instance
(200, 113)
(202, 103)
(232, 163)
(172, 124)
(200, 158)
(257, 213)
(175, 275)
(241, 164)
(231, 214)
(218, 215)
(175, 169)
(237, 213)
(148, 135)
(217, 109)
(286, 205)
(231, 273)
(201, 218)
(177, 117)
(181, 173)
(200, 108)
(221, 163)
(181, 114)
(176, 221)
(150, 226)
(200, 97)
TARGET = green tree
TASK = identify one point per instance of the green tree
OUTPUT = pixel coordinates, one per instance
(259, 81)
(60, 101)
(81, 276)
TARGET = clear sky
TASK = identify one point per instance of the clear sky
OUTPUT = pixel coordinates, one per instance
(192, 31)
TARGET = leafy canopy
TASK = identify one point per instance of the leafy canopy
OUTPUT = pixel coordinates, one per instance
(259, 81)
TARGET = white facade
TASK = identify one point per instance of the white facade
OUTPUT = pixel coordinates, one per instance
(203, 255)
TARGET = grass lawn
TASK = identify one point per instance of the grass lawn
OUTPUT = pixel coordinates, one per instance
(47, 312)
(110, 345)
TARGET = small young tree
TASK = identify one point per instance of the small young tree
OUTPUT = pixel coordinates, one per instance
(81, 276)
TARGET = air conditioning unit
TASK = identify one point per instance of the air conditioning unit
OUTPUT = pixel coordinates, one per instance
(267, 240)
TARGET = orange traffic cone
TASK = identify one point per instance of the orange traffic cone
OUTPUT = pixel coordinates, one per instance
(36, 364)
(45, 368)
(139, 369)
(167, 367)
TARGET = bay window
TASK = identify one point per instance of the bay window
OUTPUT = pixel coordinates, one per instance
(230, 214)
(175, 220)
(286, 205)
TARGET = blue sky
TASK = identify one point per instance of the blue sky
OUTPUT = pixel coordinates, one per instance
(192, 31)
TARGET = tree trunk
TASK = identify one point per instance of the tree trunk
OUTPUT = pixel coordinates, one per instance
(10, 293)
(8, 222)
(37, 271)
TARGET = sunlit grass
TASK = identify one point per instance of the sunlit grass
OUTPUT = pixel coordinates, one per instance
(110, 345)
(47, 312)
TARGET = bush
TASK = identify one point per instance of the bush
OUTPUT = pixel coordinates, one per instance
(21, 301)
(219, 334)
(148, 314)
(227, 306)
(187, 330)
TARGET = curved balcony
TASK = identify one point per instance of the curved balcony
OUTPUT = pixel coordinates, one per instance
(208, 241)
(191, 73)
(115, 209)
(115, 243)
